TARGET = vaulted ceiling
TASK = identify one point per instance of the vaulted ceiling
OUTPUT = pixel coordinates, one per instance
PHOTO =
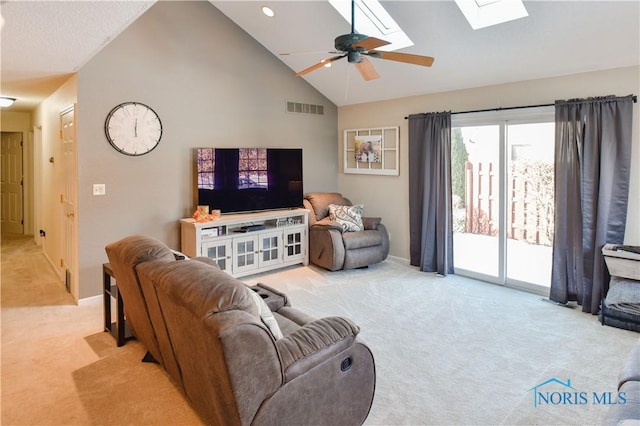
(43, 42)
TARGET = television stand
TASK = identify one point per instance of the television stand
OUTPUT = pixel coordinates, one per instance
(249, 243)
(249, 228)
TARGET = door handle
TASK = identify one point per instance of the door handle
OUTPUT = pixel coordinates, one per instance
(70, 215)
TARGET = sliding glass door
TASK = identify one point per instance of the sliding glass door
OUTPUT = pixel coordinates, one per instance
(475, 157)
(502, 185)
(530, 202)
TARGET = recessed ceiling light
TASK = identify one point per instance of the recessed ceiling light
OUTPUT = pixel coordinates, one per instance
(485, 13)
(6, 102)
(268, 11)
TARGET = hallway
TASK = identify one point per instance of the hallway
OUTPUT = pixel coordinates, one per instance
(59, 366)
(27, 277)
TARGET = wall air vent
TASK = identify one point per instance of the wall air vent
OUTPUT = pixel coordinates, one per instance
(300, 108)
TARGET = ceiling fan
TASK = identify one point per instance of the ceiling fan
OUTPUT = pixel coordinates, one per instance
(355, 47)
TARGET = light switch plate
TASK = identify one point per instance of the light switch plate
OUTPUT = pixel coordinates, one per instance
(99, 189)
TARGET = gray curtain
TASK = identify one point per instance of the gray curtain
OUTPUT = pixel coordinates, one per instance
(592, 162)
(430, 211)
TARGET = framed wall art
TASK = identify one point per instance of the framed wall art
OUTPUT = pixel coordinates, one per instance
(372, 151)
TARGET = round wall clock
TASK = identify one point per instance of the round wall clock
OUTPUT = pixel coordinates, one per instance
(133, 128)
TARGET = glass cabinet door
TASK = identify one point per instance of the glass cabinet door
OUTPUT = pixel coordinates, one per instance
(220, 251)
(245, 254)
(294, 244)
(270, 249)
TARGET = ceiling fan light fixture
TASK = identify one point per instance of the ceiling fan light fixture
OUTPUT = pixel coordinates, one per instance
(6, 101)
(268, 11)
(353, 56)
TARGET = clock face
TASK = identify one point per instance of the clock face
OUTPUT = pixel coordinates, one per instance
(133, 128)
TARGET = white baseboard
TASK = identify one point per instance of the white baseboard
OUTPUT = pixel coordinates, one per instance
(400, 260)
(90, 300)
(53, 266)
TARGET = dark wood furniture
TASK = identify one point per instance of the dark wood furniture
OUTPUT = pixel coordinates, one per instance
(118, 329)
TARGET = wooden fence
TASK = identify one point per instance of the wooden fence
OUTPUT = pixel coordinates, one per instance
(530, 201)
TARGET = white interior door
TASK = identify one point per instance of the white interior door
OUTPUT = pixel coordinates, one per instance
(69, 196)
(11, 183)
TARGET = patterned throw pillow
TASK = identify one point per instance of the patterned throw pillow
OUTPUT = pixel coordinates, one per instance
(266, 315)
(350, 217)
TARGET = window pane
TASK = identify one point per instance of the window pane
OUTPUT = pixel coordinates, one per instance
(530, 202)
(206, 161)
(475, 156)
(252, 168)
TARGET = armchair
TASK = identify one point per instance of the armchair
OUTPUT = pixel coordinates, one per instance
(331, 246)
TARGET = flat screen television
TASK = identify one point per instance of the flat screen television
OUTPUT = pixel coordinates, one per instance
(249, 179)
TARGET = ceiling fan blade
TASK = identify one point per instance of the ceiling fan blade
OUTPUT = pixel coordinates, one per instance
(320, 64)
(367, 70)
(425, 61)
(370, 43)
(305, 52)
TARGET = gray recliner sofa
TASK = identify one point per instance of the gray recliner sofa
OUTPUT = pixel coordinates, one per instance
(215, 342)
(333, 248)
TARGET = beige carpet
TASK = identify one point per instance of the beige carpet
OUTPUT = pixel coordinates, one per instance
(59, 367)
(448, 350)
(452, 351)
(561, 412)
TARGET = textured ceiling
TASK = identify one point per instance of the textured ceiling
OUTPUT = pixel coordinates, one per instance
(43, 42)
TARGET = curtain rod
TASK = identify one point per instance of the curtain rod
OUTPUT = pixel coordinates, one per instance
(635, 100)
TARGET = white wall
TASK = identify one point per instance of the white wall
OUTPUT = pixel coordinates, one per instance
(212, 85)
(388, 196)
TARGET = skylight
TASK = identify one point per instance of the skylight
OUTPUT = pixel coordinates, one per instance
(373, 20)
(485, 13)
